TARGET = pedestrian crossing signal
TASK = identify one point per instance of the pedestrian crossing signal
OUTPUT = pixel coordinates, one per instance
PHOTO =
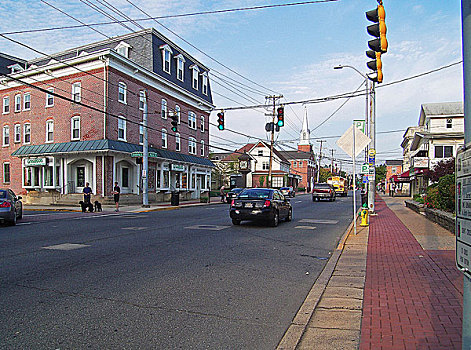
(221, 120)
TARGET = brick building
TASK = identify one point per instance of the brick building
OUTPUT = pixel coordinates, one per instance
(393, 167)
(52, 144)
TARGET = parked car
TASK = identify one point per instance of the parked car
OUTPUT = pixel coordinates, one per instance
(11, 207)
(288, 191)
(323, 191)
(261, 204)
(232, 194)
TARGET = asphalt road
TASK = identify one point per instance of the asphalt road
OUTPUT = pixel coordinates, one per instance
(158, 280)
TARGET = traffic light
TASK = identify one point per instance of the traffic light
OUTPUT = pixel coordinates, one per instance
(221, 120)
(280, 113)
(379, 45)
(174, 118)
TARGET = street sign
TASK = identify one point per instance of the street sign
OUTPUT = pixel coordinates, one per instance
(360, 124)
(365, 179)
(372, 152)
(463, 211)
(365, 168)
(345, 142)
(371, 170)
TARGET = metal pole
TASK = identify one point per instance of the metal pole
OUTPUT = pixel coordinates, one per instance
(354, 185)
(269, 180)
(366, 115)
(320, 158)
(466, 33)
(145, 156)
(371, 184)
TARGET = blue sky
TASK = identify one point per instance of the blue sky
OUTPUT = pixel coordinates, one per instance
(290, 50)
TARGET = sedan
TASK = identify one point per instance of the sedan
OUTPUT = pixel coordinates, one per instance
(232, 194)
(288, 191)
(11, 208)
(261, 204)
(323, 191)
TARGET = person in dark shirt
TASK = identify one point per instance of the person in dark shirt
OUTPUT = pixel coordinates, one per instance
(87, 193)
(116, 192)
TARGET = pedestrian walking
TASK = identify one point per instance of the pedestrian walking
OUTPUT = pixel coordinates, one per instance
(87, 193)
(222, 194)
(116, 192)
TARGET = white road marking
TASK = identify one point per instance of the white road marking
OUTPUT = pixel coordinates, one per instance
(207, 227)
(134, 228)
(316, 221)
(23, 223)
(36, 214)
(298, 201)
(306, 227)
(66, 246)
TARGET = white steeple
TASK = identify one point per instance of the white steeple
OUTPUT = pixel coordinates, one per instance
(305, 137)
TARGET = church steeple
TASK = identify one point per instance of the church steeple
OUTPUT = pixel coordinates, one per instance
(305, 136)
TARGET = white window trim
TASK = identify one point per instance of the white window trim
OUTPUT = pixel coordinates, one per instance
(123, 121)
(142, 97)
(164, 108)
(202, 148)
(76, 85)
(179, 113)
(72, 128)
(164, 138)
(125, 46)
(180, 59)
(204, 83)
(17, 104)
(202, 123)
(24, 102)
(192, 145)
(6, 128)
(166, 48)
(192, 120)
(3, 170)
(122, 85)
(47, 98)
(5, 105)
(49, 122)
(24, 134)
(195, 73)
(178, 142)
(19, 133)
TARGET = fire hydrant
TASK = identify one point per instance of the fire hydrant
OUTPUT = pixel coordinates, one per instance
(364, 215)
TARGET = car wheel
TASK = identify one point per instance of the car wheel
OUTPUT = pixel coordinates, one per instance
(235, 222)
(13, 221)
(313, 199)
(290, 215)
(333, 199)
(21, 213)
(275, 220)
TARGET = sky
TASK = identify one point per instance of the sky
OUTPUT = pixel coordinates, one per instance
(285, 50)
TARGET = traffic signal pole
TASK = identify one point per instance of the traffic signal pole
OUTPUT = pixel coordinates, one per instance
(272, 139)
(466, 34)
(145, 156)
(372, 127)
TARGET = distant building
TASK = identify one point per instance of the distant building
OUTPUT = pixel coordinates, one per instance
(438, 136)
(56, 145)
(393, 168)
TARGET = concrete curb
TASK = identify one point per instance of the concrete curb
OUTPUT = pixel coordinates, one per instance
(293, 334)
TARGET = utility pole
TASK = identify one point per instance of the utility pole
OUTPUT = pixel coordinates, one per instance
(332, 162)
(372, 183)
(320, 158)
(145, 156)
(272, 138)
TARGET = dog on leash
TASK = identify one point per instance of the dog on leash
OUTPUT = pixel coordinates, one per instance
(86, 206)
(98, 206)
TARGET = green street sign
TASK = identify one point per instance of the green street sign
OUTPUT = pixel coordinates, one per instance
(360, 124)
(365, 168)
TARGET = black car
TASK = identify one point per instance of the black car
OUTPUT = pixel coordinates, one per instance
(232, 194)
(11, 208)
(261, 204)
(323, 191)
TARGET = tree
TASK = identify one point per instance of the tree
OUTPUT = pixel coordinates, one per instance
(324, 174)
(444, 167)
(381, 172)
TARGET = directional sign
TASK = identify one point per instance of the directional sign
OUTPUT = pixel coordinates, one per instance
(463, 211)
(360, 124)
(365, 179)
(346, 141)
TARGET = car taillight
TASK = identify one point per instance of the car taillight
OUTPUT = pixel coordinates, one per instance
(232, 203)
(266, 204)
(5, 205)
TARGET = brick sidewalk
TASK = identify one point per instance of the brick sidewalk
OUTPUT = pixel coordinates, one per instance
(412, 297)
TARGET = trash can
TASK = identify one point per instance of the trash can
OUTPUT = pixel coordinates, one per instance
(175, 198)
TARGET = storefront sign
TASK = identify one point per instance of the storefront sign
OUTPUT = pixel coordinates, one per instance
(140, 154)
(420, 162)
(177, 167)
(35, 161)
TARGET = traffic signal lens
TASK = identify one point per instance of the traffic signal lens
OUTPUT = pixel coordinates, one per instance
(221, 121)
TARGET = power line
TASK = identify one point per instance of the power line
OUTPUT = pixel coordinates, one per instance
(170, 16)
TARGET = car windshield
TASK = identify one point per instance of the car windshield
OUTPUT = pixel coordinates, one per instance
(236, 190)
(3, 194)
(284, 188)
(255, 194)
(322, 186)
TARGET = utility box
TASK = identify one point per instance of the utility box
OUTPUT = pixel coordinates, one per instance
(175, 198)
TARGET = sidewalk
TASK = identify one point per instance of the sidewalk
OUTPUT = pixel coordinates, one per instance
(134, 208)
(392, 286)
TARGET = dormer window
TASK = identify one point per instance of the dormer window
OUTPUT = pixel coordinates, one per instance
(123, 49)
(180, 66)
(194, 80)
(15, 68)
(166, 54)
(204, 77)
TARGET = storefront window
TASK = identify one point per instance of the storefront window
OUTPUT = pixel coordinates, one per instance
(193, 181)
(57, 176)
(80, 176)
(177, 180)
(36, 176)
(158, 178)
(27, 177)
(166, 179)
(48, 176)
(125, 177)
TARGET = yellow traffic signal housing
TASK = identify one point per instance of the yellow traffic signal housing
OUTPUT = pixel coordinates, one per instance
(378, 29)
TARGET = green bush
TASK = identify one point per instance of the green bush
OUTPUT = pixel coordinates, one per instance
(204, 199)
(446, 191)
(301, 189)
(431, 199)
(418, 198)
